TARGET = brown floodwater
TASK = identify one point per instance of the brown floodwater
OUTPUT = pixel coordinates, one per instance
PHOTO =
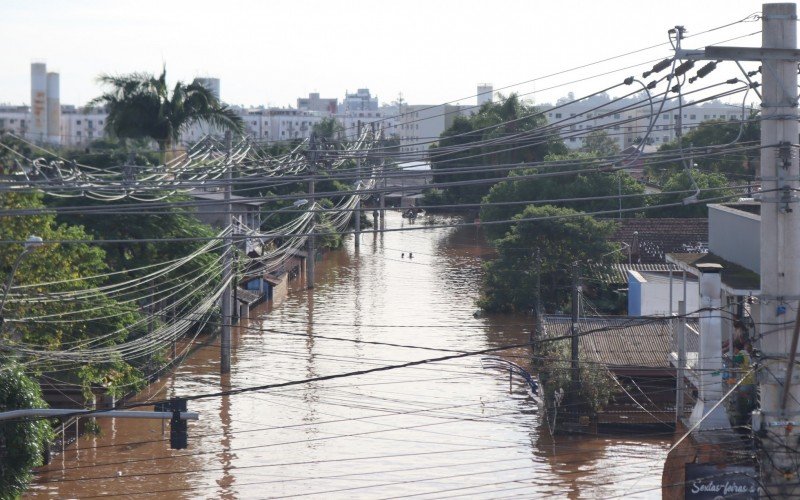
(450, 429)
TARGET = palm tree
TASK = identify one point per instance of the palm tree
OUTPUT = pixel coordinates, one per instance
(140, 105)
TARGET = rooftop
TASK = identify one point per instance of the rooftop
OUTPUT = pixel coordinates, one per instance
(734, 277)
(651, 239)
(623, 341)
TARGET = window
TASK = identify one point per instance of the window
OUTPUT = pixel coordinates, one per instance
(100, 122)
(616, 127)
(616, 116)
(665, 138)
(665, 116)
(78, 133)
(705, 117)
(77, 122)
(13, 120)
(549, 115)
(693, 117)
(558, 115)
(571, 139)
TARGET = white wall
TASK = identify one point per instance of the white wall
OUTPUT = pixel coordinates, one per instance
(653, 298)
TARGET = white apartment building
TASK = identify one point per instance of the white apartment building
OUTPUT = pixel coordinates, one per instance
(15, 119)
(420, 125)
(626, 121)
(81, 126)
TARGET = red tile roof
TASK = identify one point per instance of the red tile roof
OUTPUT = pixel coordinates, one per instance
(650, 239)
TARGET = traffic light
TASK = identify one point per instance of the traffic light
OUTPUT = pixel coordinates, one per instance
(178, 429)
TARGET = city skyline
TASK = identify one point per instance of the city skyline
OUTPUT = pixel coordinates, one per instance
(306, 47)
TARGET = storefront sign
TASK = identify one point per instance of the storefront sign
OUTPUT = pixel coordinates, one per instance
(712, 482)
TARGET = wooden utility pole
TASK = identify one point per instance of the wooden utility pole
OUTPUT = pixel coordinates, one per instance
(227, 275)
(311, 243)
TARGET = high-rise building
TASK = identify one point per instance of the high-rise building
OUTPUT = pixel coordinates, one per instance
(45, 120)
(485, 92)
(38, 124)
(211, 84)
(53, 109)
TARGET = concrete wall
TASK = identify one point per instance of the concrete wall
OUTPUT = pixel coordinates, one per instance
(651, 298)
(735, 235)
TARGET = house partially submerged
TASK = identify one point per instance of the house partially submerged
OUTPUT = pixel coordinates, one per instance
(636, 352)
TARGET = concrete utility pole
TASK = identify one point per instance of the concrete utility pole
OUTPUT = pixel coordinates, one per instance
(357, 211)
(575, 377)
(780, 247)
(312, 169)
(780, 237)
(227, 275)
(680, 384)
(536, 332)
(383, 174)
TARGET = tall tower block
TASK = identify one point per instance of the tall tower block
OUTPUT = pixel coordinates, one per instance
(53, 109)
(38, 125)
(485, 91)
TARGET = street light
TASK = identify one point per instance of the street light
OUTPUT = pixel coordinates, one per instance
(31, 243)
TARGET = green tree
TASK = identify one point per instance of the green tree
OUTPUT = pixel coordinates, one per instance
(600, 143)
(737, 165)
(64, 267)
(328, 129)
(563, 236)
(23, 442)
(500, 135)
(141, 105)
(714, 185)
(500, 204)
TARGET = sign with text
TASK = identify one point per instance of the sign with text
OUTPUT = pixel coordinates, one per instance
(719, 481)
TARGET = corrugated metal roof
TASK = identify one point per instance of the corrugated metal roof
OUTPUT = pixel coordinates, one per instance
(617, 274)
(623, 341)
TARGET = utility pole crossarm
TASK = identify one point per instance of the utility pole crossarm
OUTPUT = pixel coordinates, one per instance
(758, 54)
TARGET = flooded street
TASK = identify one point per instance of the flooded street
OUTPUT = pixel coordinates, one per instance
(449, 429)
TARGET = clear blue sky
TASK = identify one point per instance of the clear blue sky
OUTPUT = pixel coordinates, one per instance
(271, 52)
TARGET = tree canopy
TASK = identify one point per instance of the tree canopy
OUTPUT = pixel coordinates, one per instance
(141, 105)
(713, 185)
(507, 198)
(64, 267)
(712, 134)
(562, 236)
(23, 442)
(490, 142)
